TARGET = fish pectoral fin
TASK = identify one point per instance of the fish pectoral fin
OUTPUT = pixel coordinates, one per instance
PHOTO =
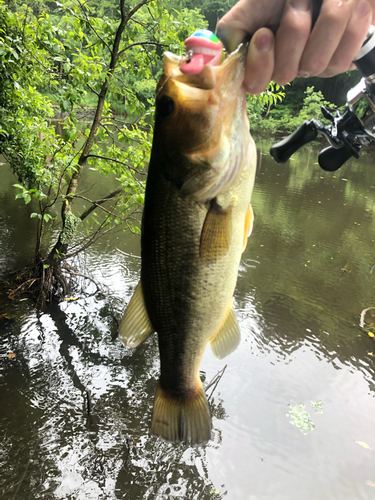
(216, 232)
(227, 338)
(184, 418)
(135, 325)
(249, 222)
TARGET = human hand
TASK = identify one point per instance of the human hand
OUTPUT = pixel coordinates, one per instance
(284, 46)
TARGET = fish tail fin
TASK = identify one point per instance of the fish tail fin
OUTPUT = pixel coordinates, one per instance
(184, 419)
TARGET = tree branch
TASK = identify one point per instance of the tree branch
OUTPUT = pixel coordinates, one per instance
(93, 29)
(81, 275)
(98, 203)
(91, 241)
(141, 43)
(117, 161)
(132, 12)
(92, 89)
(66, 208)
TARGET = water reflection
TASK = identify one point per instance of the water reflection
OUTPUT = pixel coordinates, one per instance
(304, 279)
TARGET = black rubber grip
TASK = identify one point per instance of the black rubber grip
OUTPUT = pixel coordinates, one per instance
(331, 159)
(283, 150)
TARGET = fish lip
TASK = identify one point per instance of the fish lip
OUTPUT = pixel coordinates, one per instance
(235, 57)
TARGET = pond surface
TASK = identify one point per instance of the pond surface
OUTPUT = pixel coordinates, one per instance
(306, 275)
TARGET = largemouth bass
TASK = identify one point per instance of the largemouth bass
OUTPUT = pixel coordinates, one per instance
(196, 220)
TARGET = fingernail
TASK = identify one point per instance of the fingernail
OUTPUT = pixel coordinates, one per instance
(220, 32)
(303, 5)
(229, 42)
(362, 8)
(264, 42)
(303, 74)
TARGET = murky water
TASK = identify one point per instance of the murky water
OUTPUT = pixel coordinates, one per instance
(305, 277)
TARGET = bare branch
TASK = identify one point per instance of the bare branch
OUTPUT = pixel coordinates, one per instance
(65, 269)
(91, 241)
(117, 161)
(141, 43)
(92, 89)
(61, 178)
(98, 204)
(215, 381)
(133, 11)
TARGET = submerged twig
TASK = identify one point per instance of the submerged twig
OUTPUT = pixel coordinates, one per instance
(83, 276)
(88, 402)
(92, 421)
(215, 381)
(128, 445)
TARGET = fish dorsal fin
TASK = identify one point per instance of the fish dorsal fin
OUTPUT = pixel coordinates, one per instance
(228, 337)
(135, 325)
(216, 232)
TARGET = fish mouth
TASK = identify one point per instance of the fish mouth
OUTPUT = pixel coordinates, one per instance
(229, 72)
(204, 124)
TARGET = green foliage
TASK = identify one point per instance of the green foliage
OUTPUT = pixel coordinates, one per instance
(74, 53)
(312, 104)
(286, 118)
(259, 105)
(212, 10)
(23, 111)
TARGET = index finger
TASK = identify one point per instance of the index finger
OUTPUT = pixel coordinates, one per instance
(245, 18)
(326, 36)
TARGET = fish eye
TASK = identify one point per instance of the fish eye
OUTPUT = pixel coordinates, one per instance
(165, 106)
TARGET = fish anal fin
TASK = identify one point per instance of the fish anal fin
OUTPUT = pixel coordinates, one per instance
(135, 325)
(185, 419)
(249, 220)
(227, 338)
(216, 232)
